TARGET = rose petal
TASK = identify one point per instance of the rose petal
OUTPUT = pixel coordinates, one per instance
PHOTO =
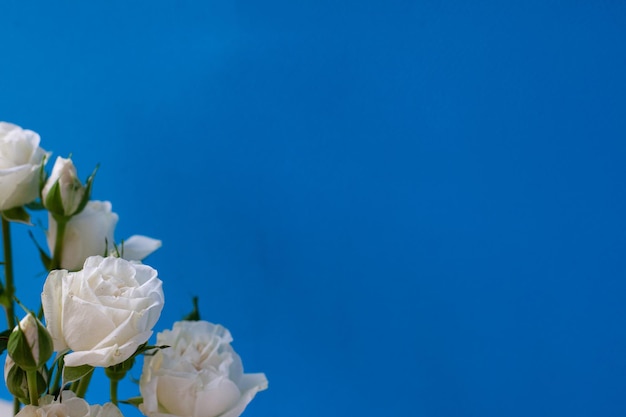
(137, 247)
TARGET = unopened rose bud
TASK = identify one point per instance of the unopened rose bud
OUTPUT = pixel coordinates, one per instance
(63, 194)
(17, 384)
(30, 344)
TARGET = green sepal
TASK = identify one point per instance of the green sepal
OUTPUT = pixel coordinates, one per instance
(135, 401)
(87, 195)
(119, 371)
(54, 201)
(17, 383)
(74, 373)
(195, 313)
(17, 215)
(147, 350)
(43, 175)
(20, 350)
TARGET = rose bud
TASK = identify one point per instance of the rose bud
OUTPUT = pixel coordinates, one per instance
(17, 384)
(30, 344)
(63, 194)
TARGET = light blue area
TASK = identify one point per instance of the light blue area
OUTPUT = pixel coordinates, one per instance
(397, 208)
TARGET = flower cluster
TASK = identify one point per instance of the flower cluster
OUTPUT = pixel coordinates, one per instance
(99, 306)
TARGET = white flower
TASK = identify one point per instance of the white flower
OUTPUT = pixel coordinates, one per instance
(21, 159)
(88, 233)
(68, 406)
(199, 375)
(102, 312)
(71, 190)
(91, 232)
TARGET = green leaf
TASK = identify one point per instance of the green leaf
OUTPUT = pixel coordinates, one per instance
(74, 373)
(4, 340)
(45, 259)
(136, 401)
(17, 215)
(5, 298)
(195, 313)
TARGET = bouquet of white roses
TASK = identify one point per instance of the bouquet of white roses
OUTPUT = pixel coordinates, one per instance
(99, 304)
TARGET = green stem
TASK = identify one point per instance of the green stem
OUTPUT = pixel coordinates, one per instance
(9, 287)
(114, 383)
(81, 389)
(8, 273)
(58, 244)
(33, 392)
(16, 406)
(56, 384)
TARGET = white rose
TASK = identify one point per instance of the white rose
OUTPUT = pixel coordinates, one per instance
(102, 312)
(88, 233)
(71, 190)
(199, 375)
(21, 159)
(91, 232)
(68, 406)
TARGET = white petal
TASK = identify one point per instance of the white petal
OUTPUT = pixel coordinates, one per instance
(255, 383)
(138, 247)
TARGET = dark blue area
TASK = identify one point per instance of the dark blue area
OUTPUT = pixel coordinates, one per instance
(397, 208)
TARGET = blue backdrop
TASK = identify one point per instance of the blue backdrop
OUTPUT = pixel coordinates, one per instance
(406, 208)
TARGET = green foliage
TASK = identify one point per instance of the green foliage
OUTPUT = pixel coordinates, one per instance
(17, 215)
(74, 373)
(4, 340)
(195, 313)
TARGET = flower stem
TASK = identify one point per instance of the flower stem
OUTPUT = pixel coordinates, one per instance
(16, 406)
(33, 392)
(81, 390)
(56, 384)
(8, 273)
(114, 383)
(58, 244)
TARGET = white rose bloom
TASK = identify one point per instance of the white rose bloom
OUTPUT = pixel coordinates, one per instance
(102, 312)
(21, 159)
(68, 406)
(199, 375)
(88, 233)
(91, 232)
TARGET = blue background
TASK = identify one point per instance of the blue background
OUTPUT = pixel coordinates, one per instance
(397, 208)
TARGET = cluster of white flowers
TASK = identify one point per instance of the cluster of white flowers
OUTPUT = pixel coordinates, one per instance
(99, 306)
